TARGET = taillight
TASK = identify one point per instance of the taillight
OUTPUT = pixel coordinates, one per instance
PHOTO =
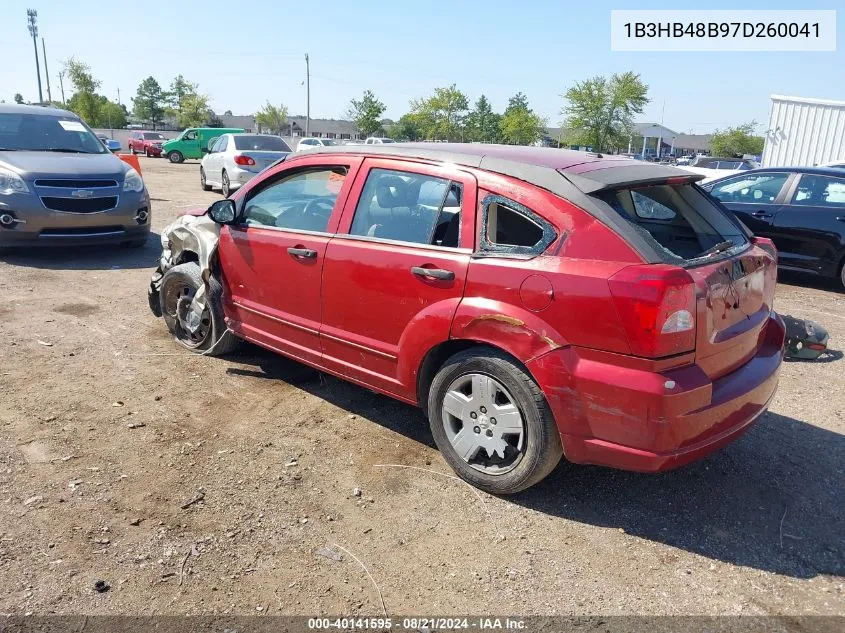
(766, 244)
(244, 160)
(656, 304)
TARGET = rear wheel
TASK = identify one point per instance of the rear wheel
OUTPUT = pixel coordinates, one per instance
(147, 152)
(203, 183)
(132, 150)
(492, 423)
(202, 333)
(224, 180)
(176, 157)
(842, 272)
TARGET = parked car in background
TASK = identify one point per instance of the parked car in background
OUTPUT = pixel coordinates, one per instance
(310, 142)
(146, 143)
(712, 167)
(194, 142)
(801, 209)
(59, 185)
(481, 262)
(110, 144)
(378, 140)
(235, 159)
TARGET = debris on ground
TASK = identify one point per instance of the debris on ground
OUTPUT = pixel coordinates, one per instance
(196, 499)
(329, 553)
(101, 586)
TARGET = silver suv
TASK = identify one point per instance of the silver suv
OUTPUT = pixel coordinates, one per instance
(60, 186)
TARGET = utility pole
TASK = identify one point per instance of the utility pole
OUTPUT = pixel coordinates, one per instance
(32, 25)
(118, 96)
(46, 72)
(307, 97)
(62, 84)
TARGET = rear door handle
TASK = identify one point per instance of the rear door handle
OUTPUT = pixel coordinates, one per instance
(761, 214)
(433, 273)
(305, 253)
(841, 218)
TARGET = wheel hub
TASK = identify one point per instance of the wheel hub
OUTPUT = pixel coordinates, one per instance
(483, 423)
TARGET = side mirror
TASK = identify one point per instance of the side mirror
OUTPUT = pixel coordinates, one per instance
(222, 211)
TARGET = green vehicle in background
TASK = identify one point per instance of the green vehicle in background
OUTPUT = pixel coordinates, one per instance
(194, 142)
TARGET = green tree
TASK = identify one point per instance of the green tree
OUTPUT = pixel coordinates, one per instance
(366, 113)
(150, 101)
(482, 124)
(736, 141)
(180, 89)
(213, 120)
(84, 101)
(272, 118)
(441, 116)
(405, 129)
(519, 124)
(600, 111)
(109, 114)
(18, 97)
(194, 110)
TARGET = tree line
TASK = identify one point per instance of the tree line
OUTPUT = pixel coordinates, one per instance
(599, 113)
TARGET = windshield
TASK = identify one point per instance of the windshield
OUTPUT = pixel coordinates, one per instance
(327, 142)
(387, 140)
(42, 132)
(153, 136)
(260, 142)
(682, 221)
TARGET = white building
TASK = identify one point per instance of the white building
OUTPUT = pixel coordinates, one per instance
(804, 132)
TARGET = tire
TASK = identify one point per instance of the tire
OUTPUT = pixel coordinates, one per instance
(539, 448)
(176, 157)
(224, 184)
(842, 274)
(147, 152)
(132, 150)
(205, 186)
(178, 285)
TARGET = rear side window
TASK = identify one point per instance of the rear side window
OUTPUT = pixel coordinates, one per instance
(681, 221)
(511, 228)
(408, 207)
(820, 191)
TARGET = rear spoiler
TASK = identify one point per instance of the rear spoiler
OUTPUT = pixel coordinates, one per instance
(616, 177)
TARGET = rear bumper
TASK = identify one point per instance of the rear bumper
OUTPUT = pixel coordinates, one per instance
(627, 418)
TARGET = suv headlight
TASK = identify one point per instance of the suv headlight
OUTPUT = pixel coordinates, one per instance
(133, 181)
(10, 182)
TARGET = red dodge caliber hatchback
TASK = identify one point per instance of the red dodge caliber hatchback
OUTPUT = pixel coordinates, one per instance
(534, 302)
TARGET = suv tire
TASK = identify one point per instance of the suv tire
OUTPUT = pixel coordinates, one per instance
(515, 390)
(176, 157)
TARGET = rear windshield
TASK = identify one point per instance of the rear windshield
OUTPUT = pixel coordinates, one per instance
(680, 221)
(260, 142)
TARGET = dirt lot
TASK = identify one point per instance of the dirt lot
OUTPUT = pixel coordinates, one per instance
(108, 431)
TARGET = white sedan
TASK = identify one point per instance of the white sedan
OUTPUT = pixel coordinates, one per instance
(235, 159)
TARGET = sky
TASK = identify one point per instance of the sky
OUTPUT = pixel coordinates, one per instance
(243, 54)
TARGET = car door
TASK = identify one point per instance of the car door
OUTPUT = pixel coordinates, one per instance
(220, 144)
(209, 163)
(273, 258)
(754, 197)
(394, 274)
(809, 230)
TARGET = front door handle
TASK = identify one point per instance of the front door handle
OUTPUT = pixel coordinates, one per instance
(433, 273)
(761, 214)
(305, 253)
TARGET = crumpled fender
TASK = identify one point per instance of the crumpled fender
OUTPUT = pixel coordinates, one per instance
(197, 235)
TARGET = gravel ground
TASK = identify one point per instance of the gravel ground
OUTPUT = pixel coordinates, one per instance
(109, 432)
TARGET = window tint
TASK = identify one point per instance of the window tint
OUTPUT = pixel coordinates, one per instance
(301, 201)
(822, 191)
(152, 136)
(507, 227)
(260, 142)
(753, 188)
(222, 143)
(407, 207)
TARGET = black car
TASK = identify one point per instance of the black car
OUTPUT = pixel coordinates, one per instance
(801, 209)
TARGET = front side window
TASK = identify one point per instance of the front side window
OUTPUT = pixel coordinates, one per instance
(302, 201)
(511, 228)
(820, 191)
(752, 188)
(222, 143)
(190, 135)
(409, 207)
